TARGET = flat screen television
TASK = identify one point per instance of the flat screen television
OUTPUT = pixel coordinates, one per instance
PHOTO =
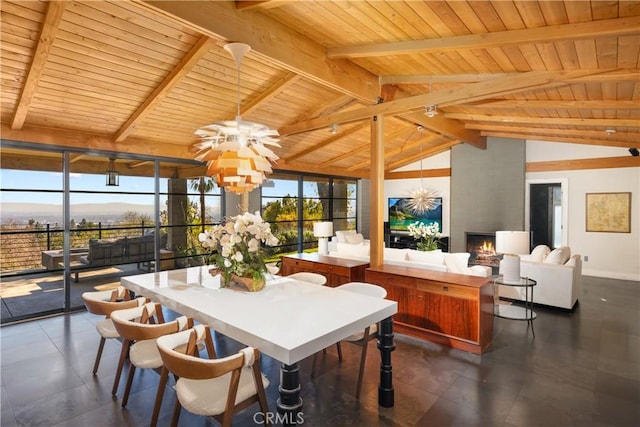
(401, 215)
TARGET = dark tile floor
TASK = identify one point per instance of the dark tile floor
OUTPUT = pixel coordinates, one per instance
(581, 369)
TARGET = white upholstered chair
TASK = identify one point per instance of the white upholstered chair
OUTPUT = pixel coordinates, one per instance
(304, 276)
(103, 303)
(370, 332)
(212, 387)
(139, 328)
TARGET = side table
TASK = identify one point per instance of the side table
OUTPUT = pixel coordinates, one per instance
(515, 312)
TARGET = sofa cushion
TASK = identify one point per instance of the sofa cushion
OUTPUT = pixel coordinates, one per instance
(341, 235)
(538, 254)
(558, 256)
(354, 238)
(457, 262)
(395, 254)
(428, 257)
(349, 249)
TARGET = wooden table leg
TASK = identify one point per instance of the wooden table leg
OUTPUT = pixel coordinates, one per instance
(386, 346)
(289, 403)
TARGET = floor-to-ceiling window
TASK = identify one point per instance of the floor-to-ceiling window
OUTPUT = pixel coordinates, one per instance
(291, 203)
(51, 254)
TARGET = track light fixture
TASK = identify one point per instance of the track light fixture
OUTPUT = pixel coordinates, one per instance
(333, 128)
(634, 152)
(431, 110)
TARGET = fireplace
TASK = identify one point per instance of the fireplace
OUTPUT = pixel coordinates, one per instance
(482, 249)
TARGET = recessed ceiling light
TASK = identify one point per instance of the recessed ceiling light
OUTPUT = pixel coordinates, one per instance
(610, 131)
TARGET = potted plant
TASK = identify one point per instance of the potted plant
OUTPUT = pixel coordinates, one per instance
(235, 249)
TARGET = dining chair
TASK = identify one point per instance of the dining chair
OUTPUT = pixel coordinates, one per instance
(309, 277)
(212, 387)
(103, 303)
(370, 332)
(139, 328)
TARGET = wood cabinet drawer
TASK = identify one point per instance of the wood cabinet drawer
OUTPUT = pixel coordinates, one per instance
(390, 279)
(441, 288)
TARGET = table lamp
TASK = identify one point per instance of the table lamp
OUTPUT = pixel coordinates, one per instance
(323, 230)
(511, 244)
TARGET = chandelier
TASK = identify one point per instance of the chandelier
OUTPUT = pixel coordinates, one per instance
(422, 199)
(235, 150)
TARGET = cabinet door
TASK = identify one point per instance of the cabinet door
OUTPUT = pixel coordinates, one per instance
(399, 295)
(453, 316)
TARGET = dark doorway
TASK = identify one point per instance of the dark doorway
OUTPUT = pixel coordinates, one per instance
(545, 214)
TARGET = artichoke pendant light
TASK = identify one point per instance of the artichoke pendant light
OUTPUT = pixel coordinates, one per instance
(235, 150)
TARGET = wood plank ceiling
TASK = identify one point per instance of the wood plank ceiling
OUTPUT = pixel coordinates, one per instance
(139, 77)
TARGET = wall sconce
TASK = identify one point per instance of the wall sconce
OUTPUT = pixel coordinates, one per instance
(333, 129)
(431, 110)
(113, 176)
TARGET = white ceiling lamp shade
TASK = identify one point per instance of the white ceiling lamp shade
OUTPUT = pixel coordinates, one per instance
(236, 150)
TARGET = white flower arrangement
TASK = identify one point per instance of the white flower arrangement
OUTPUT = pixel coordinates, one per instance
(426, 235)
(234, 247)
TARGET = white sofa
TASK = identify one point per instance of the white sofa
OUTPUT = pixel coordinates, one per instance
(430, 260)
(557, 274)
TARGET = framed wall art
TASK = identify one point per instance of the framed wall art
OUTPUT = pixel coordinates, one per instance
(608, 212)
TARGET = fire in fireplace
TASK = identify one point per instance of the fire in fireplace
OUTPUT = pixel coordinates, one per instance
(482, 249)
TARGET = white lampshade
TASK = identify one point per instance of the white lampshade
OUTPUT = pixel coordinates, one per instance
(323, 229)
(512, 242)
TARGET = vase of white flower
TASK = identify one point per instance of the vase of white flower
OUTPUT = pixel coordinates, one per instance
(427, 236)
(235, 250)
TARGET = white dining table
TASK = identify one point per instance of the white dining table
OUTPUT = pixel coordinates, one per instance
(288, 320)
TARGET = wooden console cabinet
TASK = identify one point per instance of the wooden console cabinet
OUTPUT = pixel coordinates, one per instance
(337, 270)
(450, 309)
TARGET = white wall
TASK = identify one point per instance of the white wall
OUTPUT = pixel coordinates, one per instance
(615, 255)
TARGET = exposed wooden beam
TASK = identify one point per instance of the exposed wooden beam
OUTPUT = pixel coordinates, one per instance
(441, 145)
(277, 88)
(186, 64)
(315, 168)
(560, 105)
(441, 78)
(261, 5)
(45, 41)
(453, 129)
(618, 137)
(87, 141)
(340, 135)
(376, 193)
(497, 39)
(472, 92)
(581, 164)
(552, 138)
(425, 173)
(74, 158)
(604, 123)
(133, 165)
(360, 148)
(273, 41)
(427, 139)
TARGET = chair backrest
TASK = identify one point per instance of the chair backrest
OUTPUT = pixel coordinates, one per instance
(364, 288)
(105, 302)
(315, 278)
(146, 322)
(183, 365)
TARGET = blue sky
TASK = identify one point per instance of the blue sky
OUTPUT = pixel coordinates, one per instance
(36, 180)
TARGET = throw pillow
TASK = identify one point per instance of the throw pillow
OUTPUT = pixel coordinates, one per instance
(340, 234)
(428, 257)
(571, 262)
(354, 238)
(457, 262)
(558, 255)
(538, 254)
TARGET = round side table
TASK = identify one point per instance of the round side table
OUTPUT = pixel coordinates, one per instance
(516, 312)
